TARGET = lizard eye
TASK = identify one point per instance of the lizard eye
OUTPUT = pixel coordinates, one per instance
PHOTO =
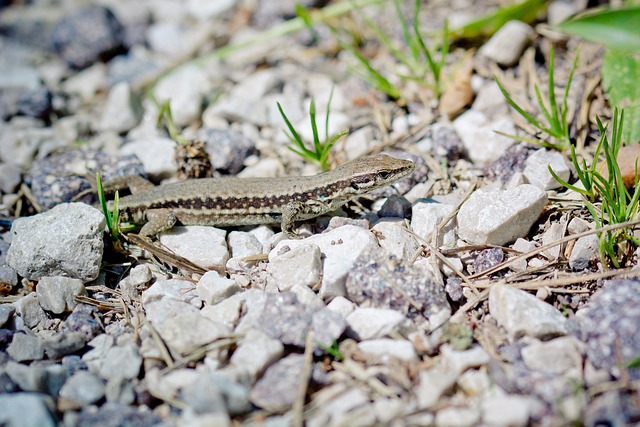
(384, 174)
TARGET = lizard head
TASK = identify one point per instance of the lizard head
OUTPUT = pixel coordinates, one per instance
(372, 172)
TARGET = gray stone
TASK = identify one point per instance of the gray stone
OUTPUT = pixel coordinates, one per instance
(46, 379)
(20, 145)
(583, 252)
(228, 149)
(560, 356)
(10, 177)
(379, 280)
(6, 311)
(300, 265)
(30, 311)
(498, 217)
(256, 351)
(205, 10)
(117, 414)
(187, 331)
(121, 362)
(87, 35)
(56, 294)
(63, 343)
(65, 241)
(283, 317)
(81, 389)
(508, 43)
(278, 388)
(458, 361)
(8, 275)
(19, 77)
(25, 410)
(25, 347)
(537, 165)
(203, 396)
(521, 313)
(85, 319)
(122, 111)
(559, 11)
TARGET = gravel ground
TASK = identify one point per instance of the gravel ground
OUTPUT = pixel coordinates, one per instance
(413, 307)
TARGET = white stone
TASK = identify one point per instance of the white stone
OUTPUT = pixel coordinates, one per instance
(81, 389)
(19, 77)
(536, 169)
(490, 101)
(395, 239)
(524, 246)
(213, 288)
(25, 409)
(426, 215)
(156, 155)
(56, 294)
(243, 244)
(508, 43)
(185, 88)
(121, 362)
(359, 142)
(244, 102)
(341, 305)
(87, 82)
(10, 177)
(583, 252)
(370, 323)
(459, 361)
(481, 141)
(301, 265)
(554, 233)
(507, 411)
(559, 11)
(387, 347)
(123, 110)
(521, 313)
(228, 312)
(256, 351)
(167, 298)
(498, 217)
(203, 246)
(204, 10)
(340, 247)
(432, 384)
(457, 417)
(474, 382)
(560, 356)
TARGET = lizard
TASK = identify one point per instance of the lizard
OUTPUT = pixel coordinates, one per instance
(252, 201)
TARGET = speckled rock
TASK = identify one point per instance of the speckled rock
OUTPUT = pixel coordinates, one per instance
(87, 35)
(608, 325)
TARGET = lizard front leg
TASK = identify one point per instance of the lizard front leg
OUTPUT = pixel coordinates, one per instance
(158, 220)
(290, 214)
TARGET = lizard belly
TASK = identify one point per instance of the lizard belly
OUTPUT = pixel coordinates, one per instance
(227, 219)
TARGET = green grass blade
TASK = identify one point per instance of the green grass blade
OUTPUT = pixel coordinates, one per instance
(103, 202)
(616, 28)
(314, 127)
(555, 119)
(528, 117)
(565, 96)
